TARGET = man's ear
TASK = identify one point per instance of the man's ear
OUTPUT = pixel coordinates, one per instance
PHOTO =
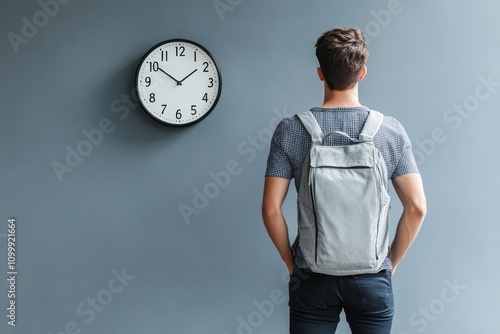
(363, 73)
(320, 74)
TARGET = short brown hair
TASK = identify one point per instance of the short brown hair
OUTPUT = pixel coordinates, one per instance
(342, 54)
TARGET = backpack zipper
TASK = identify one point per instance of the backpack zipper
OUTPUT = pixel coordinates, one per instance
(313, 202)
(380, 206)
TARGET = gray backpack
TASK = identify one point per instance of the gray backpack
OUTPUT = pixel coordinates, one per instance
(343, 204)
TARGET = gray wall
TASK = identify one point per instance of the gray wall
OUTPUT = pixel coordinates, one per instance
(116, 214)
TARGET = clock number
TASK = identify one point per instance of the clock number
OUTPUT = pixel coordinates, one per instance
(193, 109)
(181, 49)
(195, 56)
(178, 114)
(164, 107)
(152, 97)
(148, 81)
(206, 66)
(211, 80)
(164, 55)
(153, 67)
(205, 97)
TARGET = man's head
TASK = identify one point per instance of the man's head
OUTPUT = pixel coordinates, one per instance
(342, 55)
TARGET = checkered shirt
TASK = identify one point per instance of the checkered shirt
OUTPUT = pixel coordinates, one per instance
(291, 142)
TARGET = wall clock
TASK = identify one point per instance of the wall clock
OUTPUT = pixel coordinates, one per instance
(178, 82)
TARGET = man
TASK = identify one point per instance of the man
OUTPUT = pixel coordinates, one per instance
(316, 300)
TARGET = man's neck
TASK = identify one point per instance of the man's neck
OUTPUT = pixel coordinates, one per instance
(341, 98)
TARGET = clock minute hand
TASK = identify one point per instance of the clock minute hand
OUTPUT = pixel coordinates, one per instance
(187, 76)
(179, 83)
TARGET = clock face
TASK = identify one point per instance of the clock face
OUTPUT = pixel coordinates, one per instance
(178, 82)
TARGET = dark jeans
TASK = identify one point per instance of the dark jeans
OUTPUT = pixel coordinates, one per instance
(316, 301)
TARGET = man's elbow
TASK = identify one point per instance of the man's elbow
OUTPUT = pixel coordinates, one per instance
(270, 212)
(417, 210)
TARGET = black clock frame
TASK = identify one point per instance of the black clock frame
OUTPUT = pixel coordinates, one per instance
(216, 67)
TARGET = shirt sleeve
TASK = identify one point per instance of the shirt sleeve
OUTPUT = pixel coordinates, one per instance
(406, 163)
(278, 162)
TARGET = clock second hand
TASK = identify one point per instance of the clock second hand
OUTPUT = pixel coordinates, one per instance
(187, 76)
(179, 83)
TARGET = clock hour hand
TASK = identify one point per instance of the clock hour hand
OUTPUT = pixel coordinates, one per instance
(179, 83)
(187, 76)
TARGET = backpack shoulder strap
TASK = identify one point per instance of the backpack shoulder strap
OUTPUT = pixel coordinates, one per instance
(312, 126)
(372, 125)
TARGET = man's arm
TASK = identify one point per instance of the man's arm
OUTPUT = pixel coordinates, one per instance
(275, 190)
(411, 193)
